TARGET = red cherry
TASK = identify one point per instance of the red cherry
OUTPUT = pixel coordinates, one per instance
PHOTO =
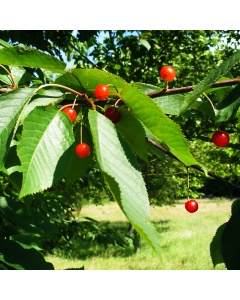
(83, 150)
(167, 73)
(101, 91)
(113, 114)
(191, 206)
(220, 138)
(71, 112)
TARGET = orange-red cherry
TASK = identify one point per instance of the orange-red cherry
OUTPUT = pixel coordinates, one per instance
(101, 91)
(83, 150)
(167, 73)
(71, 112)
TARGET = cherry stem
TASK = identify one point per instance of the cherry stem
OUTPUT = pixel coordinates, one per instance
(67, 105)
(113, 86)
(74, 103)
(116, 103)
(81, 133)
(10, 74)
(89, 100)
(84, 95)
(187, 183)
(214, 109)
(196, 167)
(100, 107)
(81, 129)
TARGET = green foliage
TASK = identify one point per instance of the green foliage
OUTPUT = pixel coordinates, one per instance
(216, 245)
(212, 77)
(121, 176)
(29, 57)
(227, 109)
(77, 168)
(11, 105)
(37, 140)
(26, 259)
(160, 126)
(225, 245)
(133, 132)
(23, 232)
(44, 154)
(43, 98)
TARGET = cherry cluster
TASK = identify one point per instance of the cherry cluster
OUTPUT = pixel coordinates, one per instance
(112, 112)
(101, 93)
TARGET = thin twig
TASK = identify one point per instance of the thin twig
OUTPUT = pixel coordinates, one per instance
(10, 74)
(84, 95)
(196, 167)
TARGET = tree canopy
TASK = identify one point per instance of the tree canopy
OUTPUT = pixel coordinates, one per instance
(161, 140)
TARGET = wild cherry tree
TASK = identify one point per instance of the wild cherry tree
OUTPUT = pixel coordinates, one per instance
(54, 125)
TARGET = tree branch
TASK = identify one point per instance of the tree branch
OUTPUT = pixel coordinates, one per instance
(186, 89)
(193, 166)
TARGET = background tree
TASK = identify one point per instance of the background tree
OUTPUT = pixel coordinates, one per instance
(23, 77)
(137, 56)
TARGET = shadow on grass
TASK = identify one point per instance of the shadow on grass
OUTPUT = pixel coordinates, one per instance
(115, 241)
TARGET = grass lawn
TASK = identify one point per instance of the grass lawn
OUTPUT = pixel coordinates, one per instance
(184, 238)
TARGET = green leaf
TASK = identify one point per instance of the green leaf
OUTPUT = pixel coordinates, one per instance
(156, 151)
(211, 78)
(228, 108)
(204, 107)
(70, 80)
(20, 75)
(231, 243)
(216, 246)
(4, 77)
(145, 87)
(85, 80)
(43, 98)
(4, 44)
(11, 105)
(235, 209)
(28, 57)
(15, 256)
(145, 43)
(170, 105)
(27, 241)
(27, 220)
(151, 147)
(124, 180)
(132, 130)
(160, 126)
(231, 239)
(142, 106)
(44, 148)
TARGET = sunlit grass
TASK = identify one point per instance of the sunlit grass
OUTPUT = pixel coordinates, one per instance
(185, 239)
